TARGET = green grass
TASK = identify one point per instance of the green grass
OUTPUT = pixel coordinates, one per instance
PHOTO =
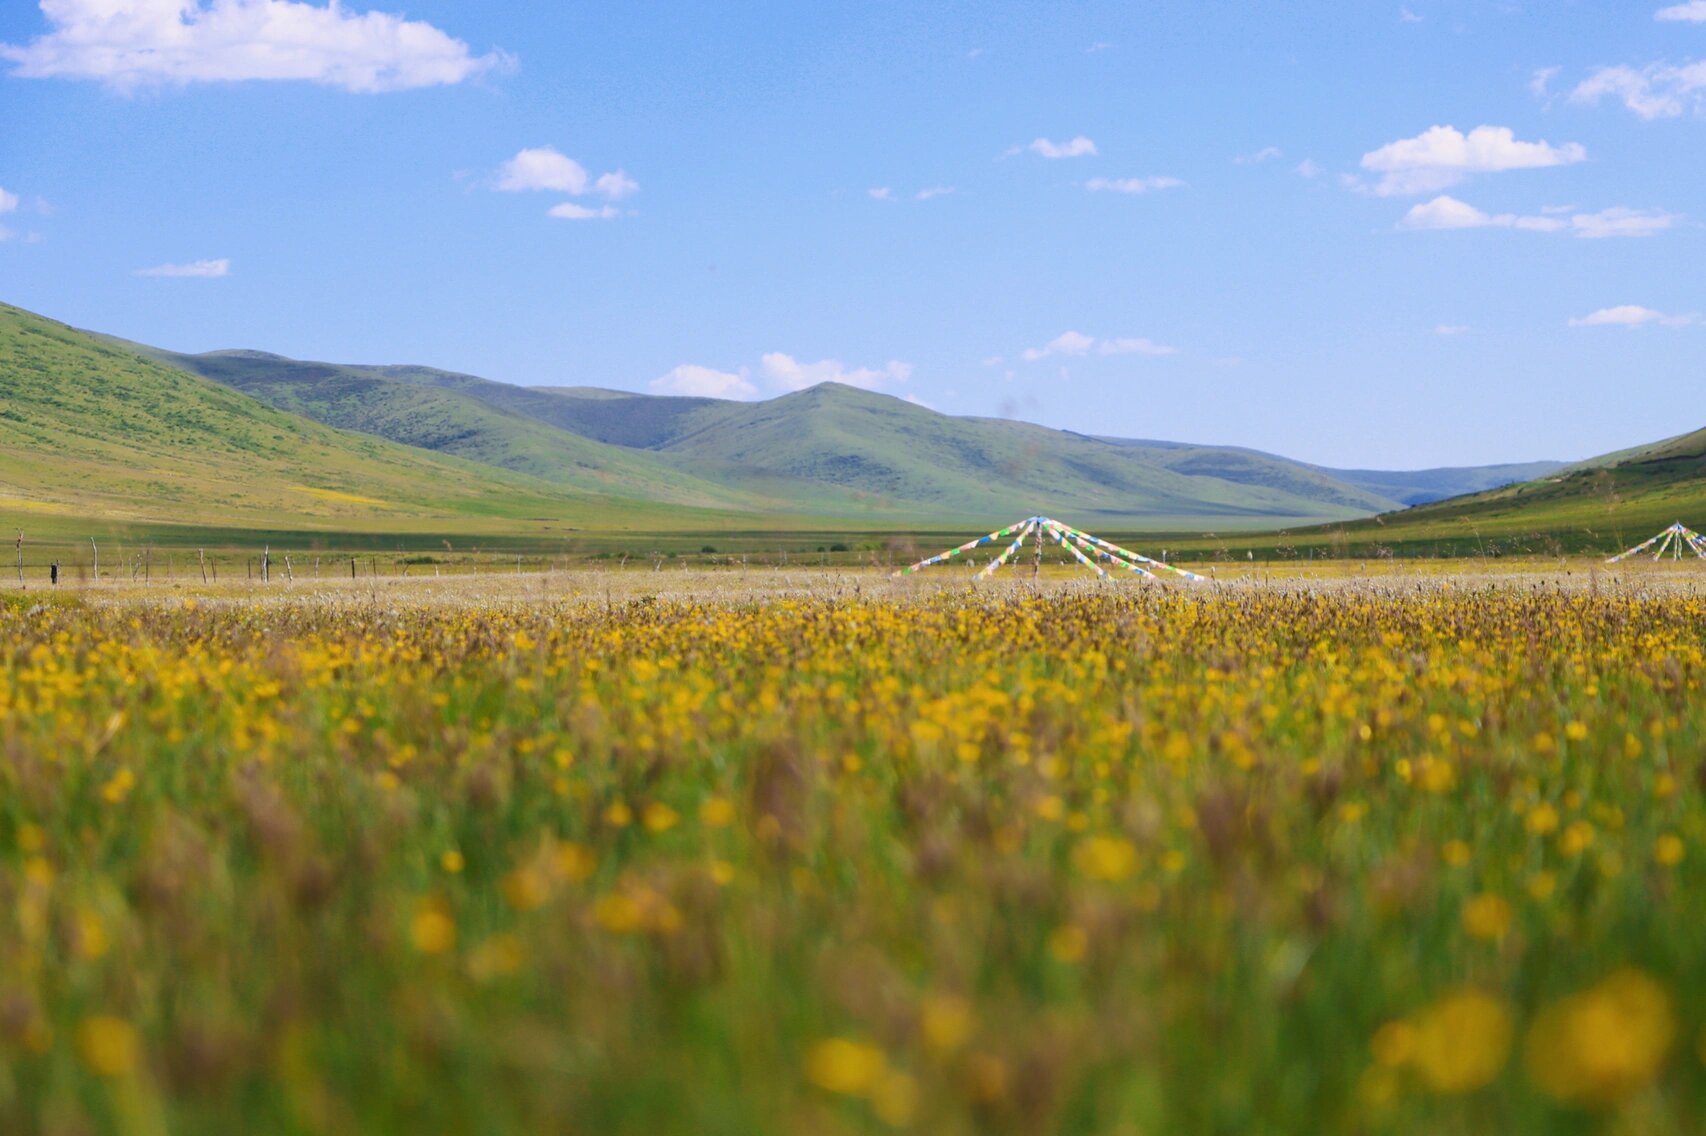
(831, 451)
(96, 438)
(1603, 506)
(756, 858)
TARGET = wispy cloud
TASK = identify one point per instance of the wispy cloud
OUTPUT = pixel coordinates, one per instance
(1131, 185)
(880, 193)
(574, 211)
(1077, 344)
(8, 202)
(616, 185)
(1449, 329)
(204, 269)
(1265, 154)
(789, 373)
(1693, 12)
(1659, 90)
(1634, 316)
(1137, 346)
(1405, 16)
(1540, 82)
(130, 44)
(1079, 147)
(778, 372)
(1446, 212)
(1443, 156)
(929, 192)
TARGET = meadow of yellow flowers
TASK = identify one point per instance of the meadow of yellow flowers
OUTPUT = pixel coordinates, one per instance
(1398, 856)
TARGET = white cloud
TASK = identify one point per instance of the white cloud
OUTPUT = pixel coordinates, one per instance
(1451, 329)
(788, 373)
(616, 185)
(916, 401)
(542, 167)
(1137, 346)
(205, 269)
(1265, 154)
(1442, 156)
(1633, 316)
(1131, 185)
(1067, 343)
(1541, 80)
(1446, 212)
(1308, 169)
(928, 192)
(1694, 12)
(129, 44)
(695, 381)
(881, 193)
(1405, 16)
(1079, 147)
(1077, 344)
(1659, 90)
(8, 201)
(573, 211)
(1621, 222)
(1098, 46)
(547, 168)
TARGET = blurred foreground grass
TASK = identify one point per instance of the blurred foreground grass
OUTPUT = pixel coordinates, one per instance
(1410, 857)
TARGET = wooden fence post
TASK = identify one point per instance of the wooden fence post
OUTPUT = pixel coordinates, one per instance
(95, 551)
(201, 558)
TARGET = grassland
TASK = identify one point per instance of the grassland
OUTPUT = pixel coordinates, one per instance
(96, 440)
(829, 451)
(1604, 505)
(801, 852)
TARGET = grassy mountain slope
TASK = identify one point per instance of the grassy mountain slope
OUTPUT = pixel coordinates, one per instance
(431, 410)
(1601, 505)
(829, 451)
(763, 441)
(91, 430)
(1401, 487)
(888, 450)
(1424, 486)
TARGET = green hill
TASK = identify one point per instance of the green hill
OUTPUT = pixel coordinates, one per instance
(154, 433)
(434, 410)
(696, 425)
(830, 451)
(1601, 505)
(90, 430)
(891, 452)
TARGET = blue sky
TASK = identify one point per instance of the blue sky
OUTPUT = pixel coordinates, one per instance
(1166, 220)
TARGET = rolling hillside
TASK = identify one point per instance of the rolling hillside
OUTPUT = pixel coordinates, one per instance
(829, 451)
(93, 427)
(395, 403)
(1601, 505)
(92, 431)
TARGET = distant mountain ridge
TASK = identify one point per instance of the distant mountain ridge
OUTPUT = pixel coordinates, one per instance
(837, 449)
(98, 429)
(1603, 504)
